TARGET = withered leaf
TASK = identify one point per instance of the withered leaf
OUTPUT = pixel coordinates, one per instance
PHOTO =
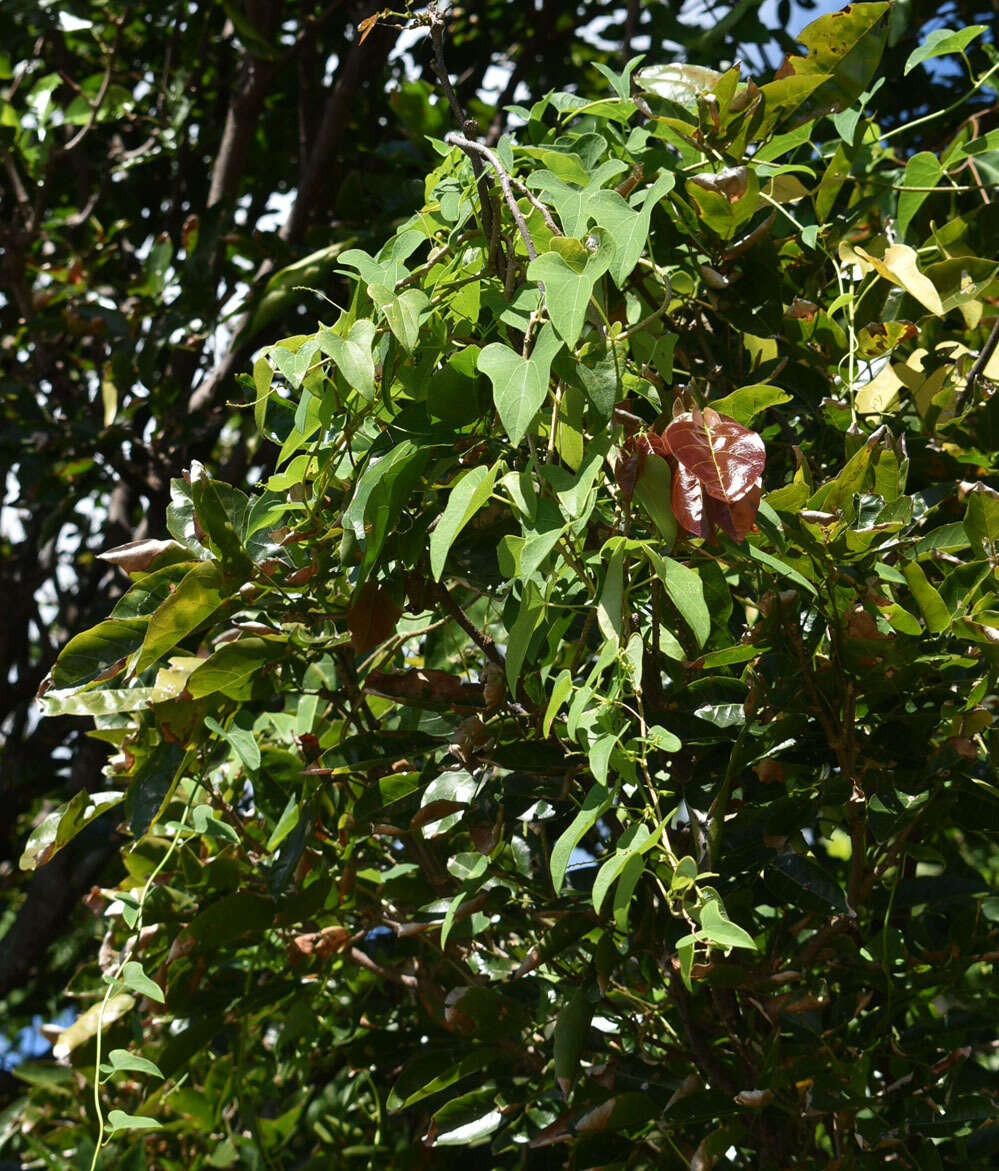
(372, 616)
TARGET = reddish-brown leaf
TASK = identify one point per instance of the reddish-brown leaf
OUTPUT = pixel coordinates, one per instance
(372, 617)
(727, 458)
(701, 514)
(687, 499)
(626, 472)
(365, 26)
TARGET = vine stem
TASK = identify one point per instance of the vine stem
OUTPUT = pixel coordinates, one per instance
(125, 952)
(940, 113)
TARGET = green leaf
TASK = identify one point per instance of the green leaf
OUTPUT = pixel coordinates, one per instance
(931, 604)
(402, 312)
(467, 1119)
(529, 616)
(922, 170)
(563, 685)
(433, 1072)
(540, 538)
(520, 385)
(135, 980)
(467, 496)
(681, 84)
(720, 930)
(652, 491)
(573, 204)
(747, 402)
(119, 1120)
(216, 522)
(625, 889)
(598, 800)
(60, 827)
(232, 916)
(122, 1059)
(96, 650)
(571, 1028)
(628, 228)
(686, 592)
(240, 740)
(685, 953)
(599, 755)
(981, 521)
(636, 839)
(941, 41)
(152, 786)
(569, 271)
(600, 380)
(197, 597)
(779, 567)
(353, 356)
(609, 607)
(845, 48)
(98, 703)
(726, 200)
(231, 668)
(811, 878)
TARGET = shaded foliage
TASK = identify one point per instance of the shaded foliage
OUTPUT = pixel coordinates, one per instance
(445, 762)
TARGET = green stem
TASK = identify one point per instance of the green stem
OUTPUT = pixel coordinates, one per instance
(114, 979)
(940, 113)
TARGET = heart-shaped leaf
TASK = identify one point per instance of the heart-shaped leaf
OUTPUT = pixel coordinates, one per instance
(520, 385)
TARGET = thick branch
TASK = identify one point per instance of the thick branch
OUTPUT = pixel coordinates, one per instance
(362, 61)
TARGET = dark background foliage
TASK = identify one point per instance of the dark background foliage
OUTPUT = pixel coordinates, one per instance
(163, 166)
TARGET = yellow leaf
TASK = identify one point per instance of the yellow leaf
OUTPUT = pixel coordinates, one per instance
(880, 394)
(899, 266)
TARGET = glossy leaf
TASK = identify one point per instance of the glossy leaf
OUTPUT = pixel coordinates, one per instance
(198, 596)
(597, 800)
(63, 825)
(726, 458)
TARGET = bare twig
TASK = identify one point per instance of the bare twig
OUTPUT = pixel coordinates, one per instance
(536, 203)
(470, 148)
(365, 961)
(467, 125)
(480, 638)
(980, 363)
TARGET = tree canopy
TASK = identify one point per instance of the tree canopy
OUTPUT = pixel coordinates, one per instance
(548, 659)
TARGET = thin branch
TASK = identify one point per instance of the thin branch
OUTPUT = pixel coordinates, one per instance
(468, 125)
(95, 105)
(20, 191)
(980, 363)
(365, 961)
(536, 203)
(470, 147)
(480, 638)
